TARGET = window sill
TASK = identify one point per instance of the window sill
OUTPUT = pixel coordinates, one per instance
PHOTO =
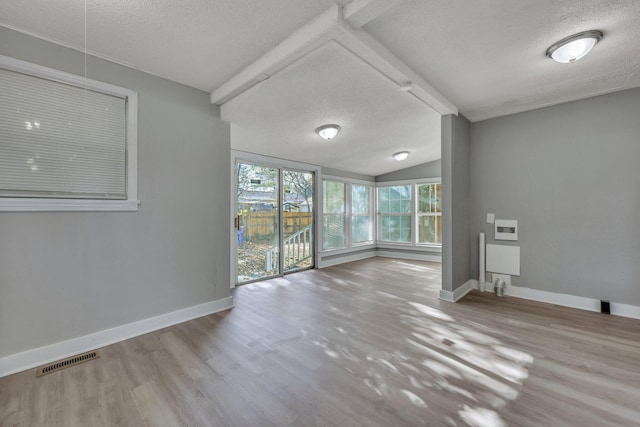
(69, 205)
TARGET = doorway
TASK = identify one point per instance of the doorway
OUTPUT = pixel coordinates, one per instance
(274, 221)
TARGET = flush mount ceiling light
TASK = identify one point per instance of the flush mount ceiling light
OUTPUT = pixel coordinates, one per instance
(328, 132)
(574, 47)
(401, 155)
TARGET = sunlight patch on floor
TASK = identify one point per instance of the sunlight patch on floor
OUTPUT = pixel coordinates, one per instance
(429, 311)
(481, 417)
(414, 399)
(454, 354)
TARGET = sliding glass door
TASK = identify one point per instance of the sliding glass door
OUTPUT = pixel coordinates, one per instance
(257, 222)
(297, 220)
(274, 221)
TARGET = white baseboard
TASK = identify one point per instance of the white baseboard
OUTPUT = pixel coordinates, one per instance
(357, 256)
(60, 350)
(565, 300)
(553, 298)
(416, 256)
(456, 294)
(625, 310)
(341, 259)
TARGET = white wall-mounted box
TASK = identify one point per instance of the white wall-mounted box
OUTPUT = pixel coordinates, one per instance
(503, 259)
(506, 229)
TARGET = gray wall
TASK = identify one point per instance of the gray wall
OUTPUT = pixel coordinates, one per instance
(346, 174)
(67, 274)
(425, 170)
(456, 233)
(570, 174)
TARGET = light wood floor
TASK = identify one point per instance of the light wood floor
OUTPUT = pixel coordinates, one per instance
(365, 343)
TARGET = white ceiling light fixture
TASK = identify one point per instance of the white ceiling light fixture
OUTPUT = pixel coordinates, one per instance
(401, 155)
(328, 132)
(572, 48)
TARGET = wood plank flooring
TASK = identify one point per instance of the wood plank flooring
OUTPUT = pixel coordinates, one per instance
(361, 344)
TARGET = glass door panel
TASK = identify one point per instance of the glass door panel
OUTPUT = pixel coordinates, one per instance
(257, 222)
(297, 220)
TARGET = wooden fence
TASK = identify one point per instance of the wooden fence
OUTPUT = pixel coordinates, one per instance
(259, 225)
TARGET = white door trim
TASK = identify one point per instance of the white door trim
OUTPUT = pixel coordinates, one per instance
(259, 159)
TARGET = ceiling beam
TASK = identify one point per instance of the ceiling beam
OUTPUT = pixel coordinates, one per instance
(374, 53)
(360, 12)
(302, 41)
(333, 25)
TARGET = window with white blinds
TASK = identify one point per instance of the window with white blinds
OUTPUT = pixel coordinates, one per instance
(65, 137)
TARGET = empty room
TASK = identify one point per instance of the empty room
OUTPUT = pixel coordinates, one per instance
(319, 213)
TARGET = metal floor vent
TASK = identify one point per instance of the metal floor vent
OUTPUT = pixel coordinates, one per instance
(65, 363)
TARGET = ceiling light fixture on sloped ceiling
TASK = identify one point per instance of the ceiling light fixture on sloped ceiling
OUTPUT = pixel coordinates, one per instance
(572, 48)
(328, 132)
(401, 155)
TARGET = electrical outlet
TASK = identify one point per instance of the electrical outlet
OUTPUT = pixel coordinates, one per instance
(491, 218)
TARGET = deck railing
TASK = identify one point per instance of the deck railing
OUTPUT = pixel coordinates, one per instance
(296, 248)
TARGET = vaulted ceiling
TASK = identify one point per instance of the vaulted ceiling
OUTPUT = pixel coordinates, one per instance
(281, 68)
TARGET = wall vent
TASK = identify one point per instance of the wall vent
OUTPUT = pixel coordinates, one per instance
(66, 363)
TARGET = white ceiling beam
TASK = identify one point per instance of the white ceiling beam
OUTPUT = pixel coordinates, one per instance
(360, 12)
(302, 41)
(332, 25)
(374, 53)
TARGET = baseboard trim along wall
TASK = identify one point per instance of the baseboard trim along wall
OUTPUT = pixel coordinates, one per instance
(456, 294)
(60, 350)
(349, 257)
(565, 300)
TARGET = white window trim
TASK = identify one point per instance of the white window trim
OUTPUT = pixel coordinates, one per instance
(411, 214)
(348, 245)
(370, 214)
(346, 242)
(414, 215)
(419, 214)
(19, 204)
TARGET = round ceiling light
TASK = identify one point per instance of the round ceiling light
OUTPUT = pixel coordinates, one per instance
(574, 47)
(401, 155)
(328, 132)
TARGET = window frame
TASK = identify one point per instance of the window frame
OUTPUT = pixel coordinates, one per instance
(410, 214)
(70, 204)
(343, 214)
(348, 243)
(421, 214)
(413, 183)
(369, 214)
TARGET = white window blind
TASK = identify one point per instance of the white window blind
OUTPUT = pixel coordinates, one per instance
(59, 140)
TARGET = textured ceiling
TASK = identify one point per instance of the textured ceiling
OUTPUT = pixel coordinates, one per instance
(201, 43)
(488, 57)
(278, 117)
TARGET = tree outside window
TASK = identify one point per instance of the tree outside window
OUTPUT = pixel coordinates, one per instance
(430, 213)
